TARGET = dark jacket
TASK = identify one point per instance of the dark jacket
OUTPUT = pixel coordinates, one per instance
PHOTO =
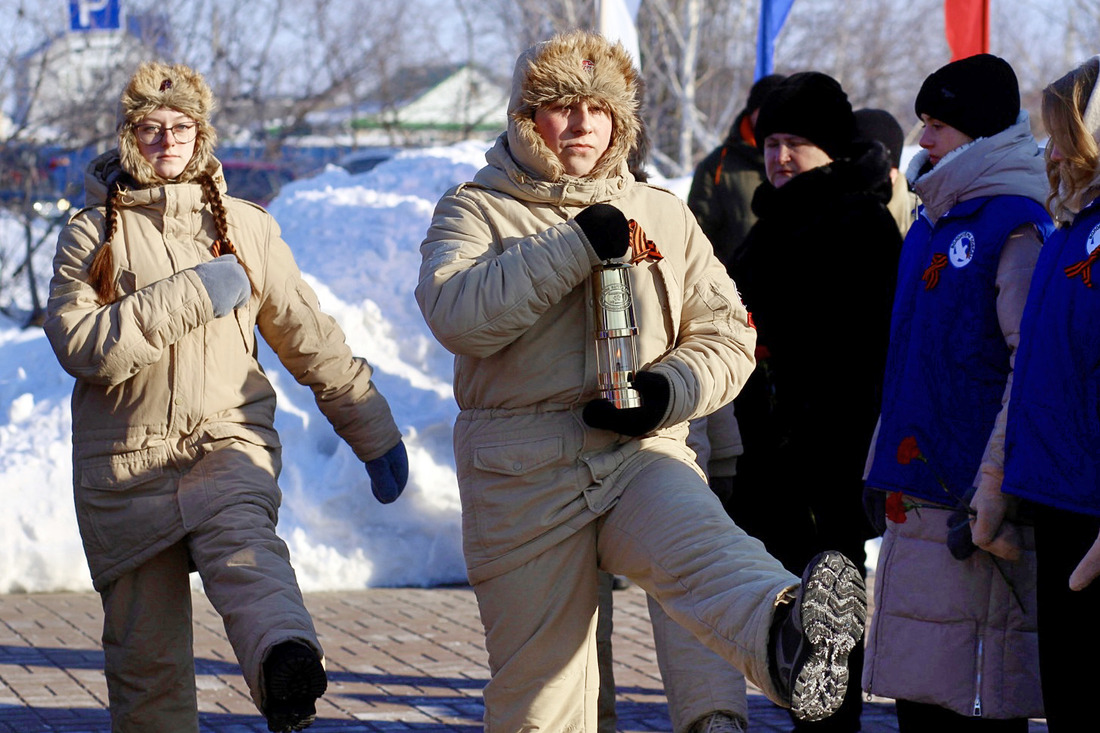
(817, 273)
(722, 189)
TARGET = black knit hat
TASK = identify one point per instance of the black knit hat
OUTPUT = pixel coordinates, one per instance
(760, 90)
(811, 105)
(978, 96)
(878, 124)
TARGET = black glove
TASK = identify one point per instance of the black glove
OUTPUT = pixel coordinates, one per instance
(655, 392)
(874, 506)
(606, 229)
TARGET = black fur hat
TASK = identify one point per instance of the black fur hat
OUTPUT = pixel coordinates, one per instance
(812, 105)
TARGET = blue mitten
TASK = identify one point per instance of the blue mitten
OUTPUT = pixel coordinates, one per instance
(389, 474)
(655, 391)
(226, 283)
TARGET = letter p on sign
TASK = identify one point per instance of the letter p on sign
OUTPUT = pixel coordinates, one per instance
(88, 15)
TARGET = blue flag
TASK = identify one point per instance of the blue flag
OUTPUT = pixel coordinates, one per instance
(773, 13)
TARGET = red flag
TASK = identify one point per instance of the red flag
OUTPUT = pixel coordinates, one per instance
(966, 24)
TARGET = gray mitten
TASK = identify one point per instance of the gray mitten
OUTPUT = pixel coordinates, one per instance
(226, 283)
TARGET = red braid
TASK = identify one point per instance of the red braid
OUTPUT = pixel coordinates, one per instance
(223, 245)
(102, 270)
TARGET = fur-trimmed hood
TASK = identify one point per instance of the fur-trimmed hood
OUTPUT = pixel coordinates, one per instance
(105, 172)
(567, 68)
(154, 86)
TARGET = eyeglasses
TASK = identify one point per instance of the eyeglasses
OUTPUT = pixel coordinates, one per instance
(182, 133)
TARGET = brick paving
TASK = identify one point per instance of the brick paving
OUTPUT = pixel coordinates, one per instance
(399, 660)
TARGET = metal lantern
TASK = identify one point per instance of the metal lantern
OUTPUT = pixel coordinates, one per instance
(616, 334)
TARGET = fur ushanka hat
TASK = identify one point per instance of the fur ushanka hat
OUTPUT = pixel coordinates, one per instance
(568, 68)
(155, 85)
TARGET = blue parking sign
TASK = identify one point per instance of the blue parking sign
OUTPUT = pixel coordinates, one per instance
(91, 15)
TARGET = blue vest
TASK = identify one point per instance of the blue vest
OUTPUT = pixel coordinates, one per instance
(1052, 448)
(948, 363)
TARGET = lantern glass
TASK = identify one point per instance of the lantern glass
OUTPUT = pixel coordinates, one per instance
(616, 335)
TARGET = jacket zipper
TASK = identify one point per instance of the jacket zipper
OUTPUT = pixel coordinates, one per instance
(978, 687)
(881, 587)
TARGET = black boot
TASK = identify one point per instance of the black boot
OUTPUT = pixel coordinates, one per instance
(812, 637)
(293, 680)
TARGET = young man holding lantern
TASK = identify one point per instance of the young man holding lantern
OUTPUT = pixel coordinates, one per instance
(556, 481)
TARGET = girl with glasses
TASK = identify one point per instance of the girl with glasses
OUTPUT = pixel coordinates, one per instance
(158, 289)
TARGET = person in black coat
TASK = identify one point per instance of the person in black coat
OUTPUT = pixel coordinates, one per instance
(725, 181)
(817, 273)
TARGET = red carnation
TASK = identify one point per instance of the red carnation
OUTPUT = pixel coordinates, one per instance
(908, 450)
(895, 507)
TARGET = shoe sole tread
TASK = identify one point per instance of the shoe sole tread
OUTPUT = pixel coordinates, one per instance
(292, 689)
(833, 614)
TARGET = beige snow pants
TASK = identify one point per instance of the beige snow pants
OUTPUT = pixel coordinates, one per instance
(246, 574)
(697, 681)
(668, 533)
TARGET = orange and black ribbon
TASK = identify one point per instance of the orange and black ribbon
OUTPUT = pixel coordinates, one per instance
(642, 248)
(1084, 268)
(931, 276)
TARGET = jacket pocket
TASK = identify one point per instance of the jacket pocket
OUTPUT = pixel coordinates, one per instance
(122, 471)
(127, 281)
(124, 504)
(669, 299)
(519, 457)
(720, 307)
(517, 484)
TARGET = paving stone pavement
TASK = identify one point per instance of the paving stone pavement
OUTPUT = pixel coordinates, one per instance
(399, 660)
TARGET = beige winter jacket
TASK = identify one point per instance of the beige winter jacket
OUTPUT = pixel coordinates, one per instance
(159, 379)
(504, 285)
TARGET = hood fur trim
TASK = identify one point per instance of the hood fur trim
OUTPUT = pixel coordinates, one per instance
(154, 86)
(570, 67)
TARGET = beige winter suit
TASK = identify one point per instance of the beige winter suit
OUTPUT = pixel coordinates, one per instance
(547, 500)
(175, 455)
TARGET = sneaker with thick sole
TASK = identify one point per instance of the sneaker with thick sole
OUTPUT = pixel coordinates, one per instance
(293, 680)
(811, 644)
(718, 723)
